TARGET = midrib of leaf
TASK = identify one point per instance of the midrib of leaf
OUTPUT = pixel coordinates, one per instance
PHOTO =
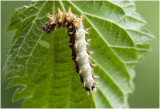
(69, 91)
(122, 90)
(61, 4)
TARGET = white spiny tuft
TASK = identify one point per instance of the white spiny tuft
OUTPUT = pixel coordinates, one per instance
(87, 30)
(91, 52)
(88, 40)
(96, 76)
(95, 90)
(80, 34)
(94, 64)
(97, 82)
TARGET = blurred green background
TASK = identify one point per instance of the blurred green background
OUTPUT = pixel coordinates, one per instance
(146, 94)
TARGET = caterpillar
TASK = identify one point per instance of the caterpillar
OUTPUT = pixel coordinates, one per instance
(78, 44)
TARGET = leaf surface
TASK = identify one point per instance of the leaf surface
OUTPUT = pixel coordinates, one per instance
(41, 64)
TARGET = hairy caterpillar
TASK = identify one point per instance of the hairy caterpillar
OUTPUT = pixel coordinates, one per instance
(78, 44)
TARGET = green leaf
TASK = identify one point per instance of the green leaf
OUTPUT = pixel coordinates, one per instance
(41, 64)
